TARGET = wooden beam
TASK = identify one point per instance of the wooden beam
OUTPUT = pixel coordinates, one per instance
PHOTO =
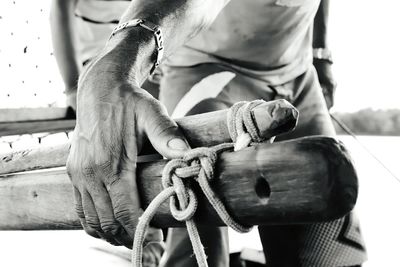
(33, 114)
(299, 181)
(207, 129)
(35, 120)
(30, 127)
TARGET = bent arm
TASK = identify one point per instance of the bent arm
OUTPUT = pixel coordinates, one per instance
(322, 55)
(320, 33)
(62, 32)
(129, 53)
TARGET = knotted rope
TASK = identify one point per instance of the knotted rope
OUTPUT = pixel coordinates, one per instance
(241, 125)
(198, 165)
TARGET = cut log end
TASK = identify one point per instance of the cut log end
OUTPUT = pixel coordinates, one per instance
(340, 170)
(275, 117)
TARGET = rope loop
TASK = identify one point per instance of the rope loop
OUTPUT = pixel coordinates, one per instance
(241, 125)
(169, 169)
(183, 210)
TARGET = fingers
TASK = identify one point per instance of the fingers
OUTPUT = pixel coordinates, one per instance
(126, 204)
(90, 212)
(93, 220)
(97, 218)
(163, 132)
(111, 229)
(103, 209)
(81, 215)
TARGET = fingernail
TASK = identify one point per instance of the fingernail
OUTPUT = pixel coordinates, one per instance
(177, 144)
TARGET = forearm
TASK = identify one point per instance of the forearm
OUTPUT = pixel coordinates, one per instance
(130, 53)
(322, 55)
(320, 33)
(62, 31)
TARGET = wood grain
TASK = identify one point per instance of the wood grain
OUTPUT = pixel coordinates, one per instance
(299, 181)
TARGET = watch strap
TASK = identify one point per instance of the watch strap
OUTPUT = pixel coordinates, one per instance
(323, 53)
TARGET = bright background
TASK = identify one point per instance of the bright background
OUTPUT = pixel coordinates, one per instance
(365, 41)
(364, 38)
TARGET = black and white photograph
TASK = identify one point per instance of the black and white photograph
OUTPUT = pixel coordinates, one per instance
(209, 133)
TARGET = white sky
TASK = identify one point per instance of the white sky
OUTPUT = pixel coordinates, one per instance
(364, 38)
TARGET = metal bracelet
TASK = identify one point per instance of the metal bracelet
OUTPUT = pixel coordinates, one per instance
(150, 27)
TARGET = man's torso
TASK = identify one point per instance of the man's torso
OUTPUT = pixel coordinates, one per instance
(272, 37)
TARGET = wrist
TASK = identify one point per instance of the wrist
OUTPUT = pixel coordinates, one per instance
(131, 54)
(149, 26)
(107, 80)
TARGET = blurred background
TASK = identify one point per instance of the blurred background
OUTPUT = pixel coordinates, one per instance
(364, 39)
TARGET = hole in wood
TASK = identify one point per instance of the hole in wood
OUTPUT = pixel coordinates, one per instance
(263, 190)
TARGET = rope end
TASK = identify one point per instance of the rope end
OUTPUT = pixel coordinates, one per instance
(242, 141)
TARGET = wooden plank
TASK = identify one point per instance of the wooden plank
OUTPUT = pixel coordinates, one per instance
(299, 181)
(29, 127)
(16, 121)
(33, 114)
(205, 129)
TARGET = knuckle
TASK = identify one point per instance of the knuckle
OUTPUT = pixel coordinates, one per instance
(111, 181)
(79, 212)
(92, 222)
(87, 172)
(124, 215)
(109, 227)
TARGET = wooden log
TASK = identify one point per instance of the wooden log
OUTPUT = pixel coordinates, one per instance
(206, 129)
(298, 181)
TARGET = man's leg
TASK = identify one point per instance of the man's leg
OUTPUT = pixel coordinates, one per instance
(186, 91)
(199, 89)
(336, 243)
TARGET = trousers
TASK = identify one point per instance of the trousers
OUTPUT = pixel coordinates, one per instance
(210, 86)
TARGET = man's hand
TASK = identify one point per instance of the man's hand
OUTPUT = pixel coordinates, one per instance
(113, 120)
(115, 116)
(325, 77)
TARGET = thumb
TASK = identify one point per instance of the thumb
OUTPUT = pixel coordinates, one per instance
(164, 134)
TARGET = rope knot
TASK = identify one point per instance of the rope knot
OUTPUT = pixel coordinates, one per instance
(198, 162)
(170, 169)
(203, 160)
(183, 203)
(198, 165)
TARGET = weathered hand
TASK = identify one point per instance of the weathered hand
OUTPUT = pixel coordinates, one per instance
(113, 120)
(326, 79)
